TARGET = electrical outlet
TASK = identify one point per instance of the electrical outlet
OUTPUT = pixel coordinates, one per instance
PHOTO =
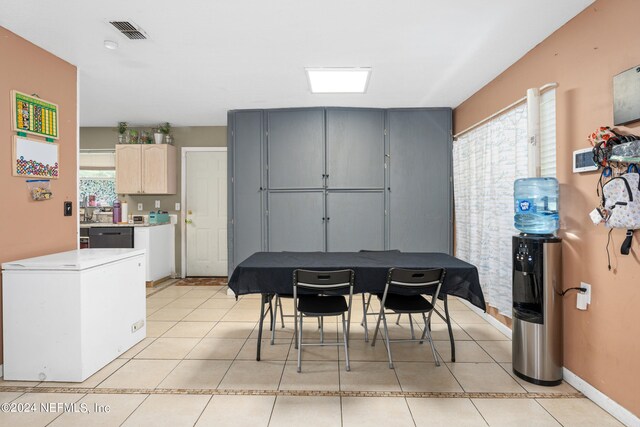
(157, 204)
(140, 207)
(137, 326)
(583, 298)
(177, 206)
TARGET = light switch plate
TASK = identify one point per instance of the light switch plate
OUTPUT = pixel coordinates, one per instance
(157, 204)
(177, 206)
(140, 207)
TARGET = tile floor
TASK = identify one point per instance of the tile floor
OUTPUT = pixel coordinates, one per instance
(197, 367)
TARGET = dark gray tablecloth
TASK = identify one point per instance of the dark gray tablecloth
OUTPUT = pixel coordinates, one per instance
(272, 272)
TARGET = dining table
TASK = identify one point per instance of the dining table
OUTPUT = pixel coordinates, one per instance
(271, 273)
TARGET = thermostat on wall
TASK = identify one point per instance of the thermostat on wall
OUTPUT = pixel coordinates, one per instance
(583, 161)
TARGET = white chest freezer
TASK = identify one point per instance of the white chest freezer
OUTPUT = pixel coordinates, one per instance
(67, 315)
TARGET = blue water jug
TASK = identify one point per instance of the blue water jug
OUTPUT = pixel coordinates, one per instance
(536, 205)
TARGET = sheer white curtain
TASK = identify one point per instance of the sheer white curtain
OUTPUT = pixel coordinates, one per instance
(486, 162)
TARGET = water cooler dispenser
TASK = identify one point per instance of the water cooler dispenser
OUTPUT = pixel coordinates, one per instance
(537, 309)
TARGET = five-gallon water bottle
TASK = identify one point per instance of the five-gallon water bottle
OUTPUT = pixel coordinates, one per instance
(536, 205)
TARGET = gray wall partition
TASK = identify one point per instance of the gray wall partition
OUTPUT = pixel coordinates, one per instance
(355, 148)
(295, 148)
(296, 221)
(420, 198)
(339, 179)
(355, 220)
(246, 200)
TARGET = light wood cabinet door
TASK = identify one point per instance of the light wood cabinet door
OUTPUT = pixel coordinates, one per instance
(128, 169)
(158, 169)
(154, 169)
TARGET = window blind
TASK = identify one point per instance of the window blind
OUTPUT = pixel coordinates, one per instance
(97, 160)
(548, 133)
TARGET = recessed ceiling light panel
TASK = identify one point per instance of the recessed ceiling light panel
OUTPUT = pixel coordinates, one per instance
(338, 80)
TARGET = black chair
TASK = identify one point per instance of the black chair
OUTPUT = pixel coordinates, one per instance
(317, 294)
(403, 294)
(366, 300)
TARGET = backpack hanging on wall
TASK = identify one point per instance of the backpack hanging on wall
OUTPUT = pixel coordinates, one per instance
(621, 204)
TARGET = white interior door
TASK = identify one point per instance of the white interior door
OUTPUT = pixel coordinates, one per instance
(206, 213)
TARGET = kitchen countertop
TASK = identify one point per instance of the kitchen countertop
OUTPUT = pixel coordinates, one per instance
(109, 224)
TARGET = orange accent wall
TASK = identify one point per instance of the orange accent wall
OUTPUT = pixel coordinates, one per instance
(602, 344)
(29, 228)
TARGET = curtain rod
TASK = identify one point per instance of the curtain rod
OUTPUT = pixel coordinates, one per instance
(508, 107)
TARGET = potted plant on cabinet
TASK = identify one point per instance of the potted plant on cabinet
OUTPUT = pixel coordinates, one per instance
(122, 129)
(133, 136)
(157, 136)
(145, 137)
(165, 129)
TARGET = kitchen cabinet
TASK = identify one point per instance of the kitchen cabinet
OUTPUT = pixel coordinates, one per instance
(69, 314)
(128, 169)
(146, 169)
(158, 242)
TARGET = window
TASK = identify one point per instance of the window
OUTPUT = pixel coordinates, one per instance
(486, 161)
(97, 176)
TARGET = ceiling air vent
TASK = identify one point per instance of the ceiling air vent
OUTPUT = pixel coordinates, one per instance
(129, 29)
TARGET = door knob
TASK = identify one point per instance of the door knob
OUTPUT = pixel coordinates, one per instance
(188, 221)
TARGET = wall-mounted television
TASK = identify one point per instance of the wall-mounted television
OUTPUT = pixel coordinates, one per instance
(626, 96)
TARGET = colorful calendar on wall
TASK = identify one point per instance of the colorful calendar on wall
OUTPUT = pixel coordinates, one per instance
(33, 115)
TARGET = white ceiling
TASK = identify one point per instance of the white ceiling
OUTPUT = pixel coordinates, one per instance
(205, 57)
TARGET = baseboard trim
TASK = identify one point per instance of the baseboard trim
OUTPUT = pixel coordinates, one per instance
(489, 318)
(599, 398)
(596, 396)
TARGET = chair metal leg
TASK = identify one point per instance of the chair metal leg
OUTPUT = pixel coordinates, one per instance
(413, 335)
(375, 333)
(386, 337)
(279, 302)
(426, 326)
(345, 337)
(321, 320)
(295, 324)
(365, 310)
(433, 349)
(273, 321)
(398, 319)
(300, 345)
